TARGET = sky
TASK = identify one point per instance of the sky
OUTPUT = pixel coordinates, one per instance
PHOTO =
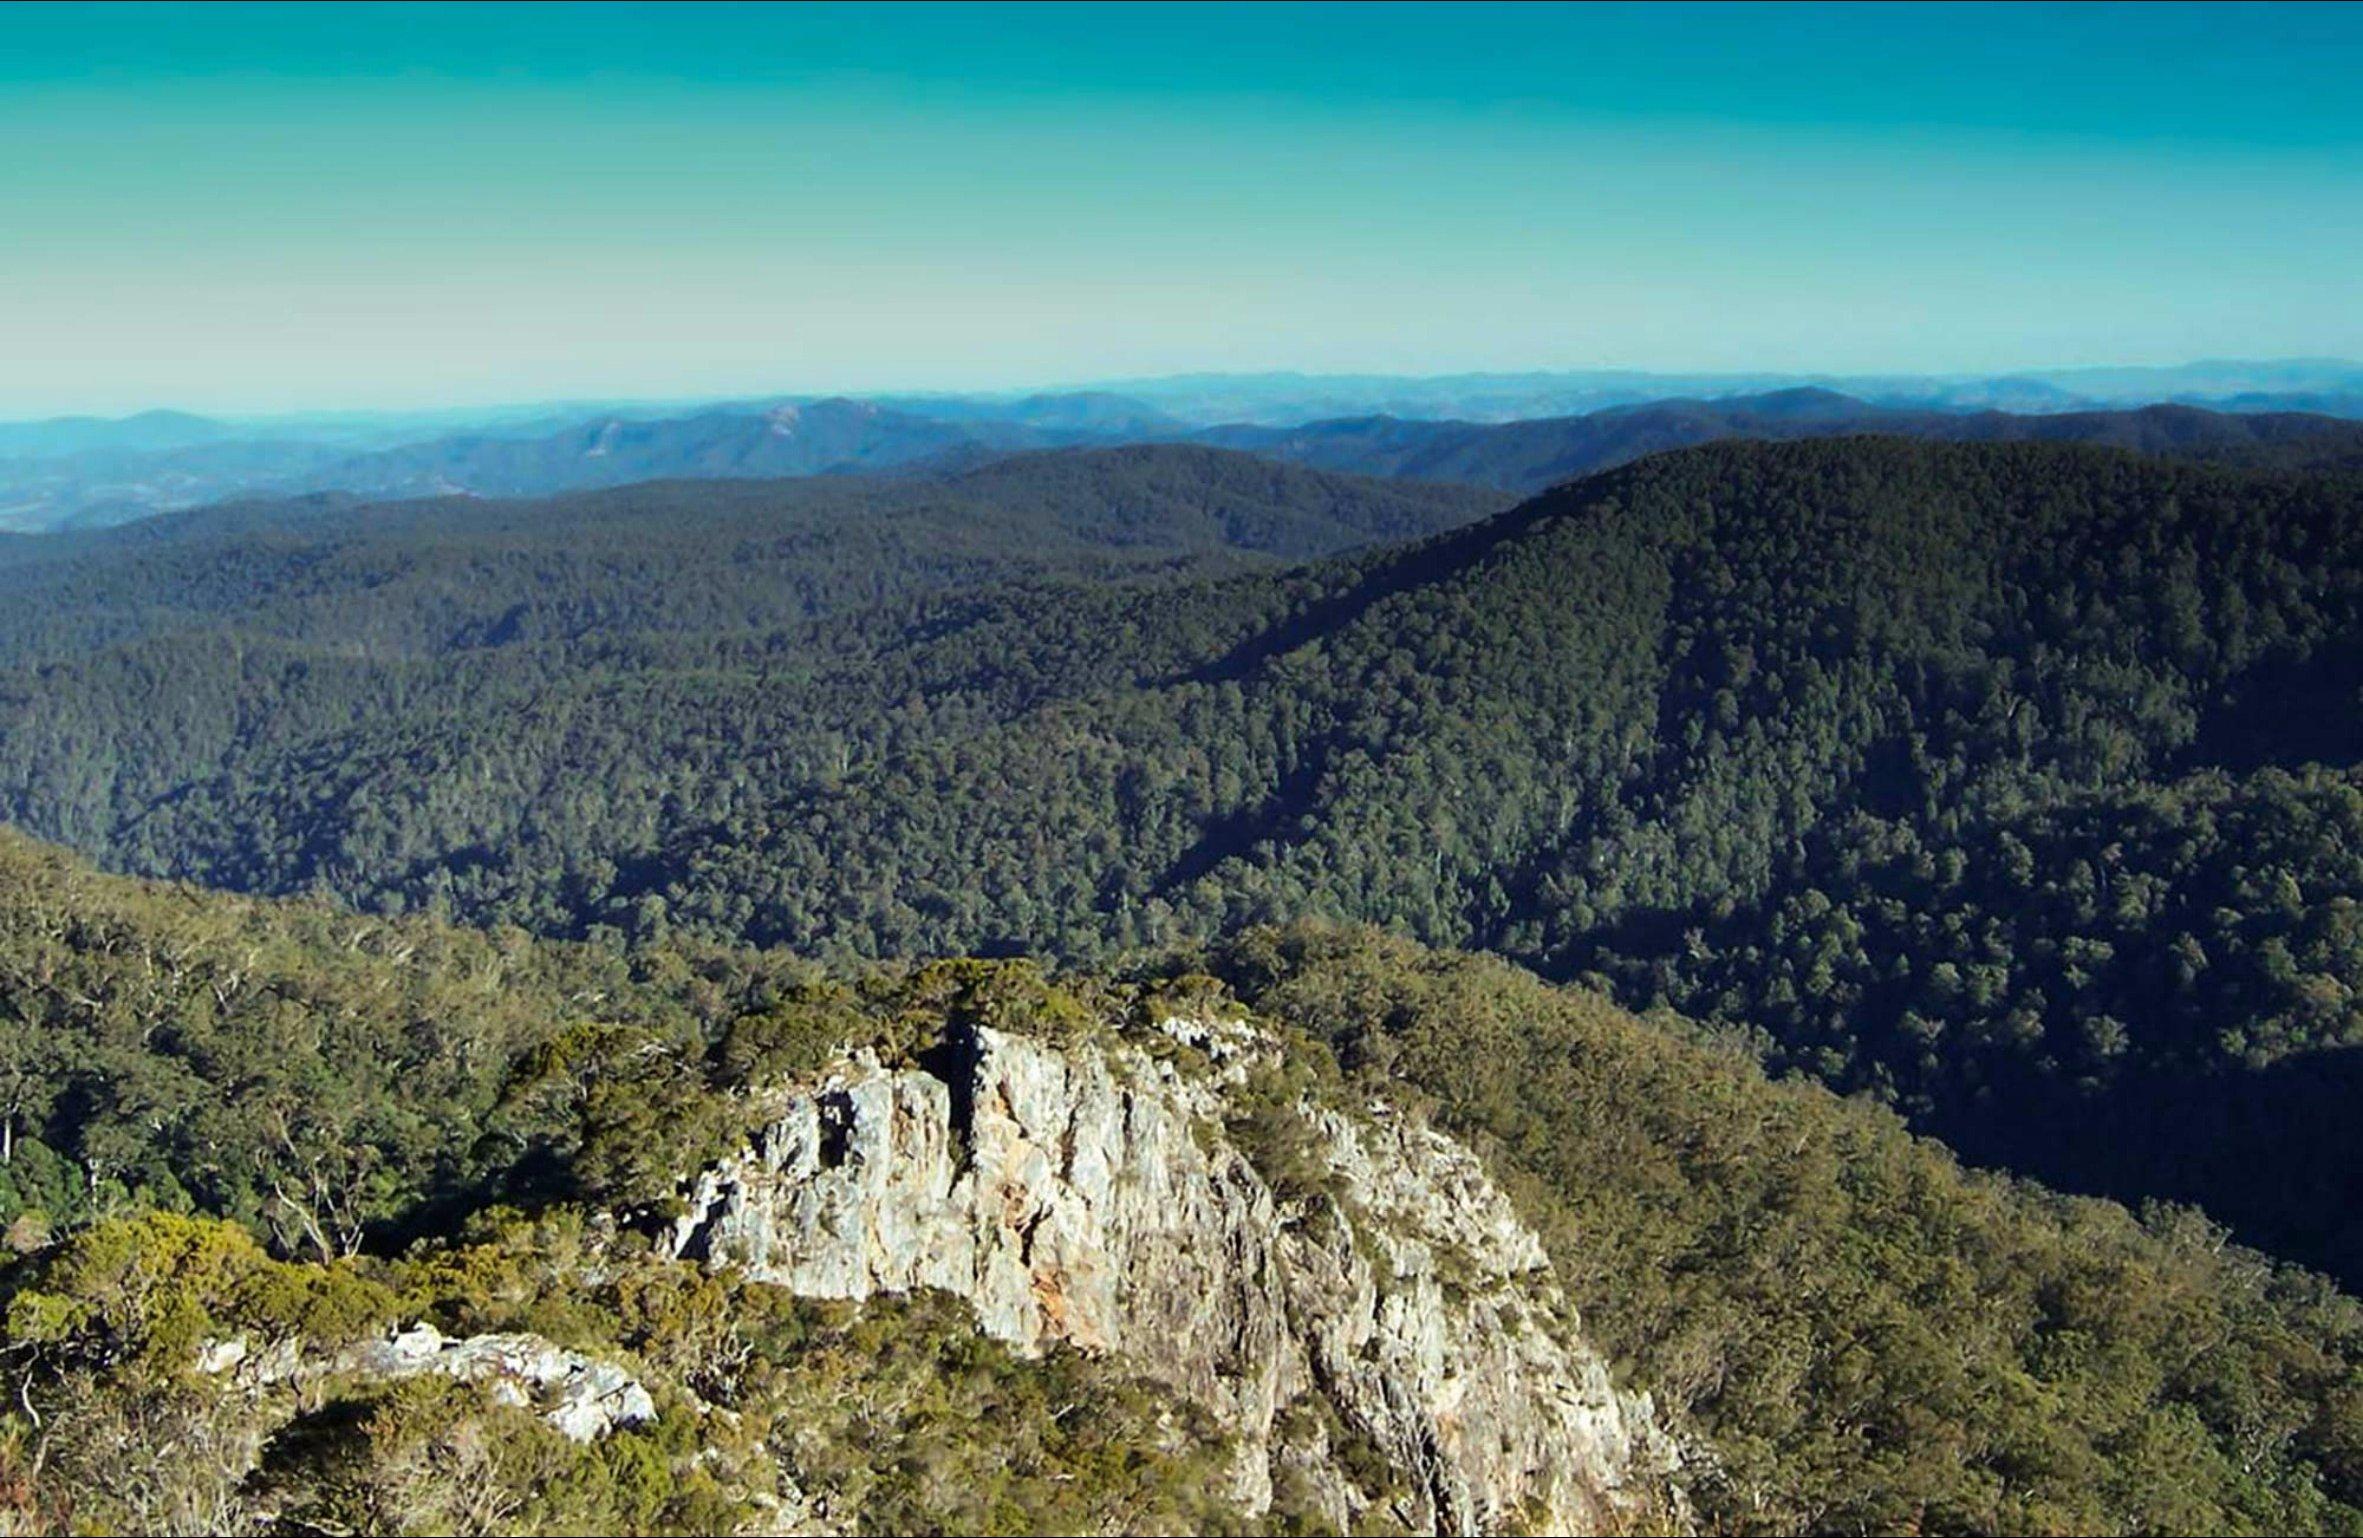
(234, 208)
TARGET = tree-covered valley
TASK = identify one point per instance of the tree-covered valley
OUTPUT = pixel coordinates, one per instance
(2014, 786)
(797, 770)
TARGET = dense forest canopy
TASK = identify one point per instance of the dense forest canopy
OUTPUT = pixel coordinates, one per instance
(456, 573)
(742, 617)
(233, 1112)
(2014, 785)
(2013, 790)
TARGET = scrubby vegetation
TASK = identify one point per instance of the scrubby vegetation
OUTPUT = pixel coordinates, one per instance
(897, 1418)
(1858, 1333)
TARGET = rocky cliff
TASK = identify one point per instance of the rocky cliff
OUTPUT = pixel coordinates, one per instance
(1345, 1290)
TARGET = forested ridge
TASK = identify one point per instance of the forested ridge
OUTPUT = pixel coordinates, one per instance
(2013, 785)
(684, 641)
(1532, 455)
(2014, 790)
(284, 1120)
(443, 574)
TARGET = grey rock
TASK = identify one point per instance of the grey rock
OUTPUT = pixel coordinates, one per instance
(582, 1396)
(1089, 1197)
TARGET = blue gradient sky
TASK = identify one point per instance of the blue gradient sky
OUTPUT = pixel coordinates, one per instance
(275, 208)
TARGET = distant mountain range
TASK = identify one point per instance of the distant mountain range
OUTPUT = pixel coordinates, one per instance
(1508, 432)
(2329, 385)
(146, 432)
(1531, 455)
(828, 437)
(100, 486)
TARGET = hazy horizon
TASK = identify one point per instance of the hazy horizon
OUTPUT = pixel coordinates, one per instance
(255, 212)
(1745, 381)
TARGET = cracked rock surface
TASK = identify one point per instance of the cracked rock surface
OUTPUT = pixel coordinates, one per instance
(1089, 1197)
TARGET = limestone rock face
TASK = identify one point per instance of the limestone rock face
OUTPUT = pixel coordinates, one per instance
(1385, 1300)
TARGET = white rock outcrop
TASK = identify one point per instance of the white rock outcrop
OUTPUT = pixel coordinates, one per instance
(582, 1396)
(1387, 1297)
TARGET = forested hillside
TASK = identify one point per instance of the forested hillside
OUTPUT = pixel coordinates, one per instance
(1854, 1333)
(396, 579)
(700, 643)
(2014, 785)
(1528, 456)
